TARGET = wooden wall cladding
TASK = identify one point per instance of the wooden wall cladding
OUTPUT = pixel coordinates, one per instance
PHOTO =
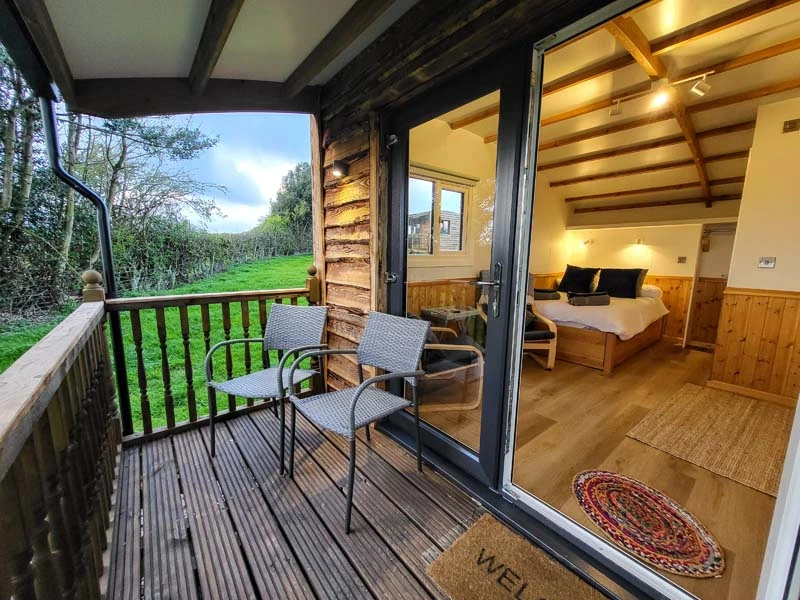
(346, 245)
(758, 344)
(677, 298)
(444, 292)
(706, 308)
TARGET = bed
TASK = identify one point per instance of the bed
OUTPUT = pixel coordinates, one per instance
(602, 337)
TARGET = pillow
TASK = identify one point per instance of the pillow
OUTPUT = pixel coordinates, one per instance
(619, 283)
(651, 291)
(577, 279)
(640, 281)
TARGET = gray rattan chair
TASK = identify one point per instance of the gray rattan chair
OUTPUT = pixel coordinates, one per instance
(391, 343)
(290, 330)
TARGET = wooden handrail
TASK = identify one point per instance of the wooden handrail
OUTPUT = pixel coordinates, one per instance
(28, 385)
(59, 439)
(124, 304)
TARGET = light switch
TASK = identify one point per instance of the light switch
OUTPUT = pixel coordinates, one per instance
(681, 260)
(766, 262)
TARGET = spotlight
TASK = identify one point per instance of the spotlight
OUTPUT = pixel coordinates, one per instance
(701, 87)
(340, 169)
(661, 93)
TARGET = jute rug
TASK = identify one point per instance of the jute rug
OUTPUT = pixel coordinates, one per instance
(491, 561)
(737, 437)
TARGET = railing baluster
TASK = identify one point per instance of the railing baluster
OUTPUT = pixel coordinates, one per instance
(144, 401)
(206, 319)
(187, 364)
(246, 333)
(16, 549)
(169, 406)
(226, 328)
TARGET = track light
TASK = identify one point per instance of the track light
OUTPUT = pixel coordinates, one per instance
(661, 92)
(701, 87)
(616, 109)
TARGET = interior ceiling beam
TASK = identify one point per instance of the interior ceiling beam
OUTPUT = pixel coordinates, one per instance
(673, 187)
(655, 203)
(648, 145)
(630, 36)
(475, 117)
(663, 166)
(354, 22)
(219, 23)
(139, 97)
(37, 19)
(587, 73)
(721, 67)
(719, 22)
(488, 139)
(754, 94)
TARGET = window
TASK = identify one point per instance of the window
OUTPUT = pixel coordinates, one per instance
(436, 197)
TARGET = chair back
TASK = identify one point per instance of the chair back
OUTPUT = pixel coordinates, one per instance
(292, 326)
(392, 343)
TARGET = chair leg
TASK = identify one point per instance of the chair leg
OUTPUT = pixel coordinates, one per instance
(350, 480)
(416, 425)
(212, 409)
(366, 430)
(274, 409)
(291, 442)
(283, 435)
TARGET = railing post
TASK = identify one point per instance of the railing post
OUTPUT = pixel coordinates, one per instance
(313, 285)
(93, 291)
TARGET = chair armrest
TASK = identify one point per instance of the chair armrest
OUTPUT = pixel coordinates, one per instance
(285, 358)
(216, 347)
(550, 325)
(372, 381)
(445, 330)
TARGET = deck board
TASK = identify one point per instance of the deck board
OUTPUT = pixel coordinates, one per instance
(232, 527)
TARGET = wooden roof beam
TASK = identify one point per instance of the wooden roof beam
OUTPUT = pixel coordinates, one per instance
(729, 18)
(673, 187)
(476, 117)
(219, 23)
(588, 73)
(354, 22)
(690, 135)
(630, 205)
(37, 19)
(648, 145)
(664, 166)
(630, 36)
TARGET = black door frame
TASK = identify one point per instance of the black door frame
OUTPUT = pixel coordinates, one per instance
(510, 73)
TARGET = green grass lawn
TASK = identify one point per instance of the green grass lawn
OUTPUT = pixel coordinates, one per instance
(274, 273)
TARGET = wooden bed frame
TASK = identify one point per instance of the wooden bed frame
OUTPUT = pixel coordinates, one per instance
(602, 350)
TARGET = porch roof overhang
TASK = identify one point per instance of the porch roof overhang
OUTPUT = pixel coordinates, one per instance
(113, 58)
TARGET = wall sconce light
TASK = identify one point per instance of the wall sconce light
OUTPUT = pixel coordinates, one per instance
(640, 241)
(588, 242)
(340, 169)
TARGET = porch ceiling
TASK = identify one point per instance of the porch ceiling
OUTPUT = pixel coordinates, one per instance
(98, 52)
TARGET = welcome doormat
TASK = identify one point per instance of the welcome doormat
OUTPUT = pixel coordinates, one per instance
(491, 561)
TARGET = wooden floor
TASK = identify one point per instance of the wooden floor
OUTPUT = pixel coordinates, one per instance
(191, 527)
(575, 418)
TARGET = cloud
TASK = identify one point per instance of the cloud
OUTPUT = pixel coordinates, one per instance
(262, 170)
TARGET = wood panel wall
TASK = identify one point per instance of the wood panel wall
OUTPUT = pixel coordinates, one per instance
(349, 235)
(677, 298)
(758, 344)
(444, 292)
(706, 309)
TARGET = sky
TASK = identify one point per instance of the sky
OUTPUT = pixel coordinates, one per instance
(254, 152)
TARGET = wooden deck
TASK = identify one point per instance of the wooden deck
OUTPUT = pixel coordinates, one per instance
(188, 526)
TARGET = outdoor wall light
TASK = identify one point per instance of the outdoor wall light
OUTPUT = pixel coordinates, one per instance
(340, 169)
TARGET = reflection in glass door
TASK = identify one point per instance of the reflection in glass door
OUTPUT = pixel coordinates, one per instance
(449, 232)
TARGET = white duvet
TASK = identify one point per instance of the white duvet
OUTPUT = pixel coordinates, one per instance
(625, 317)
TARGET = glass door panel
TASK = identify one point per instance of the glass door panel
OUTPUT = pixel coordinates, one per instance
(450, 215)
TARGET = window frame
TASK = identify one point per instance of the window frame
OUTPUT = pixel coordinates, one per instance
(453, 182)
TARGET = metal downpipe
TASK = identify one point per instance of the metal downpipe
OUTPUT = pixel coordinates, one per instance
(106, 255)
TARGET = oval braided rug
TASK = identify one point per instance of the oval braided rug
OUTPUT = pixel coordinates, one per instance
(648, 524)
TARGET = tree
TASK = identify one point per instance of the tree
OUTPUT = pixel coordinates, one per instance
(292, 206)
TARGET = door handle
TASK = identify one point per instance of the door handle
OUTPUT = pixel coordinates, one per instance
(495, 288)
(390, 277)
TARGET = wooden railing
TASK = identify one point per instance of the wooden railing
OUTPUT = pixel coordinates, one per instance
(166, 339)
(59, 440)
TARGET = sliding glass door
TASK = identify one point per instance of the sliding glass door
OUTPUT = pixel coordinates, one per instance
(454, 173)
